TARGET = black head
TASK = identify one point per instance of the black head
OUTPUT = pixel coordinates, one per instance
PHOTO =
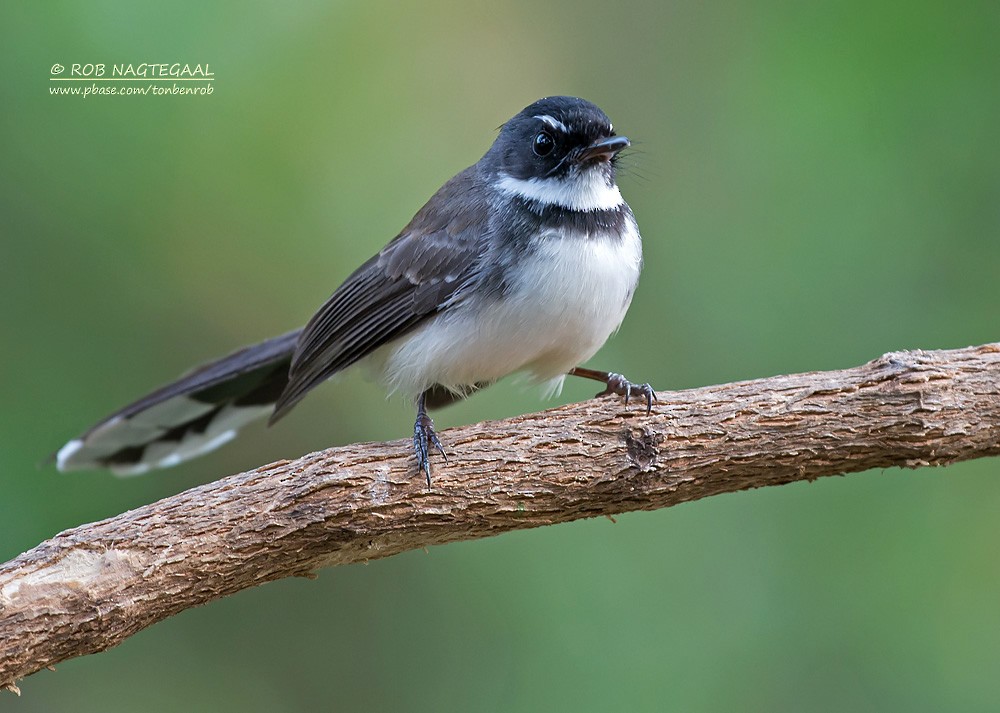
(558, 138)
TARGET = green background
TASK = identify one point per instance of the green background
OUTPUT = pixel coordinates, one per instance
(816, 183)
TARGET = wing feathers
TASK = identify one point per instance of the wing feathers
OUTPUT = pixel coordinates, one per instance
(406, 283)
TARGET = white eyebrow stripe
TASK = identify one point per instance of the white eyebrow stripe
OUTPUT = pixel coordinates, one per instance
(553, 122)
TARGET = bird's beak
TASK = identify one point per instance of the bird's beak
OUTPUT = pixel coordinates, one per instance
(604, 149)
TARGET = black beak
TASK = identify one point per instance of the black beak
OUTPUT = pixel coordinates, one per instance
(603, 149)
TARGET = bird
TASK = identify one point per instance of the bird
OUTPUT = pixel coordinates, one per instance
(526, 261)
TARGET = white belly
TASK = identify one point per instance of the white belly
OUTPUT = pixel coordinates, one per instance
(571, 297)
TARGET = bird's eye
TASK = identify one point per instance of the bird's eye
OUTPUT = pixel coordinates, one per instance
(543, 144)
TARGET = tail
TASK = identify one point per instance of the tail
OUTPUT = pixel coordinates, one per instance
(193, 415)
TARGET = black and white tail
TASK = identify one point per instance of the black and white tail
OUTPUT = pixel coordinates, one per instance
(191, 416)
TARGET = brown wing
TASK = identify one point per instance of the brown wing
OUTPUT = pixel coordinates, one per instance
(393, 292)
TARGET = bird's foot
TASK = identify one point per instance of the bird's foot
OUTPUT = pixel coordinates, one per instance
(424, 437)
(618, 385)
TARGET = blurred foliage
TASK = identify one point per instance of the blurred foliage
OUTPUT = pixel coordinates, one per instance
(817, 183)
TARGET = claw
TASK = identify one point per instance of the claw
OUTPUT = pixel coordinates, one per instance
(423, 438)
(618, 385)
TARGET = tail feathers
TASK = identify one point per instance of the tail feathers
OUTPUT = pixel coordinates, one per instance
(191, 416)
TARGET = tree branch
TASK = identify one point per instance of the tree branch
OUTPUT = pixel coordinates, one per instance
(89, 588)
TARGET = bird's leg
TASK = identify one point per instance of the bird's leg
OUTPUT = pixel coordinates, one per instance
(424, 437)
(618, 385)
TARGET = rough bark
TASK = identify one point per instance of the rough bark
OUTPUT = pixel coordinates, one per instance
(89, 588)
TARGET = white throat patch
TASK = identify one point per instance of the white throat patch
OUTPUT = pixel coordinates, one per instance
(586, 191)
